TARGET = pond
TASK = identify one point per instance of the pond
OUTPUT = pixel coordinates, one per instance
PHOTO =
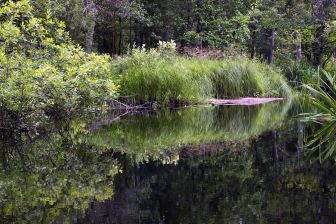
(230, 164)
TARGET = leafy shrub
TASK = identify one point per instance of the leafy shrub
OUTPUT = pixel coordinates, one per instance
(41, 70)
(323, 97)
(191, 38)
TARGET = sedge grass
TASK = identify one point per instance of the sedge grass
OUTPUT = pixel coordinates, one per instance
(146, 76)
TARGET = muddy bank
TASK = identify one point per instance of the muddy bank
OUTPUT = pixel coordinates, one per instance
(244, 101)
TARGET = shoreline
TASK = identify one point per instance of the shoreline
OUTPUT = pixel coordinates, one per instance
(248, 101)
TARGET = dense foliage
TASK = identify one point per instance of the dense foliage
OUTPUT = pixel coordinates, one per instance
(42, 70)
(275, 30)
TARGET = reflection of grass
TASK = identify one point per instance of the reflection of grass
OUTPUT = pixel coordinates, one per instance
(149, 135)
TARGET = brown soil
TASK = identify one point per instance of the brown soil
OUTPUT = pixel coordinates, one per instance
(244, 101)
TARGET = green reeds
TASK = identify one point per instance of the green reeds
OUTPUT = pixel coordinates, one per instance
(147, 76)
(246, 78)
(168, 80)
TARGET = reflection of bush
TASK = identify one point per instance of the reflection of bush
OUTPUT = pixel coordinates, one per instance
(53, 179)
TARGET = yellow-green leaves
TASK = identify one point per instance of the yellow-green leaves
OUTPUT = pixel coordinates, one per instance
(15, 11)
(41, 69)
(9, 33)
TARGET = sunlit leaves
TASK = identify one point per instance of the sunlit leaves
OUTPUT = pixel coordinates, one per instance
(42, 69)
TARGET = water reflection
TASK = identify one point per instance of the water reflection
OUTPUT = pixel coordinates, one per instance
(231, 183)
(194, 165)
(149, 135)
(52, 178)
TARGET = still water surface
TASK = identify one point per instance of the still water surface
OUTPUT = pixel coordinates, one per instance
(192, 165)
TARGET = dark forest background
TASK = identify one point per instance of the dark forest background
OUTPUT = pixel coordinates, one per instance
(271, 30)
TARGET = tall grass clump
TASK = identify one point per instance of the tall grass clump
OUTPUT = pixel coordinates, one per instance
(145, 76)
(156, 76)
(243, 77)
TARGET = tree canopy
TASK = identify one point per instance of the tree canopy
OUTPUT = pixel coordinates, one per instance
(296, 28)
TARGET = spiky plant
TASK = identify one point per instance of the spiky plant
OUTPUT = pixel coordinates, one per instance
(323, 97)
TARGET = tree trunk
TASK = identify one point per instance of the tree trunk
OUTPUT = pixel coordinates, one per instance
(164, 34)
(137, 38)
(120, 36)
(113, 43)
(319, 46)
(90, 36)
(200, 42)
(91, 12)
(253, 42)
(130, 32)
(142, 39)
(300, 143)
(271, 49)
(199, 27)
(298, 46)
(320, 18)
(274, 147)
(189, 11)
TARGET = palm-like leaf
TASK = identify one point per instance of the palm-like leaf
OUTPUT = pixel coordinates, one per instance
(323, 141)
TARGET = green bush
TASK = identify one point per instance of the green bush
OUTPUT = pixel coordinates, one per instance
(41, 70)
(191, 38)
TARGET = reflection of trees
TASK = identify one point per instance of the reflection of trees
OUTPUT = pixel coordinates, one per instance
(53, 178)
(236, 183)
(57, 176)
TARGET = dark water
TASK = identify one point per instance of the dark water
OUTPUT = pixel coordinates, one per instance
(192, 165)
